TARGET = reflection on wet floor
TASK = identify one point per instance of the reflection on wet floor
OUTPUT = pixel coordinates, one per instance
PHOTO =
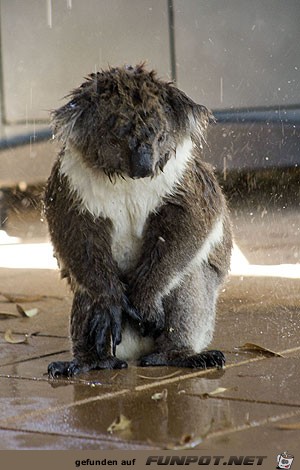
(252, 403)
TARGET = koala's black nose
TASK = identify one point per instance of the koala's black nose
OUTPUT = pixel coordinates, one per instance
(141, 162)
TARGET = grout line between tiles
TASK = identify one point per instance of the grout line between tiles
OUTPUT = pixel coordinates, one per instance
(248, 400)
(34, 358)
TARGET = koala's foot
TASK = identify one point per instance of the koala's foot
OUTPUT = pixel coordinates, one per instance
(177, 358)
(71, 368)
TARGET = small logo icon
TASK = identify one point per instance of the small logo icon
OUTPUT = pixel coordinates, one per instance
(284, 460)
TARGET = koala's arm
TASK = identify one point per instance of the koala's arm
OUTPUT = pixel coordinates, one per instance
(173, 237)
(82, 245)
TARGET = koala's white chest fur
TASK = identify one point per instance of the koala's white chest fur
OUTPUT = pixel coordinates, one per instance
(127, 203)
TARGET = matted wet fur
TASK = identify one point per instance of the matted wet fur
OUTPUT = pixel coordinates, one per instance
(138, 222)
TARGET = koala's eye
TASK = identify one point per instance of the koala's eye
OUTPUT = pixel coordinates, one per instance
(161, 138)
(72, 104)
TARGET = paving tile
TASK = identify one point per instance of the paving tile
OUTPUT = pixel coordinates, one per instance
(267, 439)
(52, 319)
(242, 292)
(183, 413)
(273, 380)
(53, 309)
(168, 424)
(87, 408)
(20, 397)
(29, 379)
(263, 311)
(32, 281)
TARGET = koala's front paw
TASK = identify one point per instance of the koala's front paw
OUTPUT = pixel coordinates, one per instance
(106, 322)
(152, 318)
(63, 368)
(185, 358)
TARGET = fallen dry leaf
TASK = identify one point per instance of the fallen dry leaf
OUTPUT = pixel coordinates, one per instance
(121, 423)
(214, 393)
(257, 347)
(27, 313)
(188, 441)
(9, 338)
(288, 427)
(160, 395)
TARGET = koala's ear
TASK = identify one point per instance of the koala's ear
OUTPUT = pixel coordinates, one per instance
(190, 116)
(199, 118)
(63, 121)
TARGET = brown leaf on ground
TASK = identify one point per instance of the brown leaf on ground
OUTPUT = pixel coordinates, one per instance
(27, 313)
(187, 441)
(121, 423)
(9, 338)
(160, 396)
(257, 348)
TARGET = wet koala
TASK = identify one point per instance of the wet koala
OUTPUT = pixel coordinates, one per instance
(138, 222)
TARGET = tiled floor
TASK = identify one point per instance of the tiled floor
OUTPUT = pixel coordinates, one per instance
(248, 405)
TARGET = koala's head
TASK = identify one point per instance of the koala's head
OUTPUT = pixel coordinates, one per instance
(125, 121)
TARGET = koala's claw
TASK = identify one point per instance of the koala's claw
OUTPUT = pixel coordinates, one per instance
(214, 358)
(63, 368)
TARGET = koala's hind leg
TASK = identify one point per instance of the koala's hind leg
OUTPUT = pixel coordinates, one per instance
(89, 322)
(190, 317)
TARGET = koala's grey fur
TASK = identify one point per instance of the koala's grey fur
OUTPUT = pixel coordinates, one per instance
(138, 222)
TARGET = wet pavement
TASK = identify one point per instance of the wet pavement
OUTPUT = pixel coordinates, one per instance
(254, 403)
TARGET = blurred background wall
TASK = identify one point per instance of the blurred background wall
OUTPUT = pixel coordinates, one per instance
(239, 57)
